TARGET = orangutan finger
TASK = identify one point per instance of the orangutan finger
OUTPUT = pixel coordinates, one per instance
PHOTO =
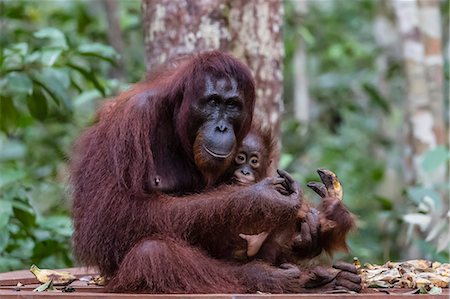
(327, 273)
(290, 184)
(305, 235)
(286, 175)
(355, 278)
(356, 287)
(319, 188)
(345, 267)
(313, 223)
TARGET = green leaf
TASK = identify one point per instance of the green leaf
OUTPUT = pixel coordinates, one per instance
(55, 37)
(8, 263)
(386, 203)
(100, 51)
(306, 35)
(53, 85)
(90, 76)
(11, 149)
(417, 194)
(27, 218)
(4, 241)
(49, 56)
(20, 48)
(37, 104)
(286, 160)
(22, 204)
(434, 158)
(33, 57)
(422, 220)
(18, 83)
(8, 113)
(376, 97)
(8, 176)
(5, 213)
(59, 224)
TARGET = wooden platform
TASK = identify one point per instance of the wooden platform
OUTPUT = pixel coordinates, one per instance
(9, 280)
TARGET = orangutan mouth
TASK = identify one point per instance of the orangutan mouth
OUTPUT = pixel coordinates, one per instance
(216, 155)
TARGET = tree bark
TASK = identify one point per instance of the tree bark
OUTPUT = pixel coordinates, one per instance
(115, 35)
(250, 30)
(420, 27)
(301, 91)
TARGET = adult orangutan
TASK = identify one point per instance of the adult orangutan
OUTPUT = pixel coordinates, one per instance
(149, 207)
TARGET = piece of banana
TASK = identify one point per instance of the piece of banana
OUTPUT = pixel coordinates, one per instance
(330, 186)
(58, 277)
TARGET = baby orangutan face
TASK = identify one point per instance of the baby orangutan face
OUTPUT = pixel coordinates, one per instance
(252, 161)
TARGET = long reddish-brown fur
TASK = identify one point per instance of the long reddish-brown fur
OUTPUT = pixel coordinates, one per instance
(144, 239)
(143, 211)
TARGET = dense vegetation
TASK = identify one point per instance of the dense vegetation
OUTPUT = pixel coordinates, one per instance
(56, 66)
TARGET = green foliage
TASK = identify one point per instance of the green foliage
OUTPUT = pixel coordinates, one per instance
(355, 127)
(41, 76)
(54, 66)
(428, 223)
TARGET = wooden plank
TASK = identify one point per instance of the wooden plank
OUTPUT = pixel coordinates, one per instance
(26, 277)
(9, 280)
(56, 295)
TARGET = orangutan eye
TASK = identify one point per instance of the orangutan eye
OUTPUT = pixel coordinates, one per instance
(254, 162)
(240, 158)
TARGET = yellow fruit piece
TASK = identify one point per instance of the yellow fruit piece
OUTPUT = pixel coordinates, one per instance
(57, 277)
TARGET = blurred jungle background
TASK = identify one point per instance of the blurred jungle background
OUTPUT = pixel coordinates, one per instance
(347, 88)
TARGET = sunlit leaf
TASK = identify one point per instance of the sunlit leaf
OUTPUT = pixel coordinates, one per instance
(435, 158)
(417, 194)
(54, 86)
(99, 51)
(5, 213)
(50, 56)
(11, 149)
(57, 223)
(19, 83)
(20, 48)
(8, 176)
(33, 57)
(422, 220)
(55, 37)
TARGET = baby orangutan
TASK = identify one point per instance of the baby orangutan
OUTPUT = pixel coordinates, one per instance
(335, 221)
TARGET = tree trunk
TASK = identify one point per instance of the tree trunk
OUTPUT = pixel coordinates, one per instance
(301, 91)
(114, 35)
(250, 30)
(420, 28)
